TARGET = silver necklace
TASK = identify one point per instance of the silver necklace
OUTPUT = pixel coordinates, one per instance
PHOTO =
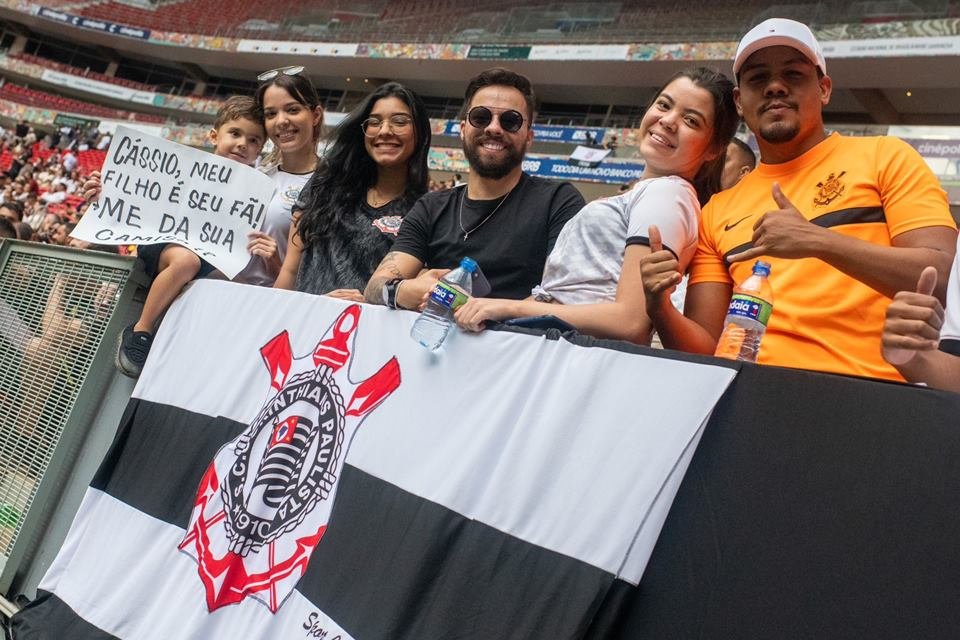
(466, 234)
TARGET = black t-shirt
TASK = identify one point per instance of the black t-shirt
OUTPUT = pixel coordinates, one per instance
(511, 247)
(348, 258)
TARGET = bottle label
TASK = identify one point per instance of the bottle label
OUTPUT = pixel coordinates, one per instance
(445, 295)
(747, 306)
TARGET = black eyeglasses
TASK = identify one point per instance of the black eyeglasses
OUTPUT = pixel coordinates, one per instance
(273, 73)
(481, 117)
(398, 124)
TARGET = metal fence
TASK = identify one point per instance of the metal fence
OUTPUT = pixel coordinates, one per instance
(60, 312)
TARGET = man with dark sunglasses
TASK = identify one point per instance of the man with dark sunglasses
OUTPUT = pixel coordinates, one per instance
(504, 219)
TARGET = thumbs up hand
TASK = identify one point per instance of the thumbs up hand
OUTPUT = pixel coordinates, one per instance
(913, 321)
(656, 240)
(659, 270)
(782, 233)
(927, 282)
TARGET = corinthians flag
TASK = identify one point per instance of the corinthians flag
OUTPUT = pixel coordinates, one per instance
(293, 466)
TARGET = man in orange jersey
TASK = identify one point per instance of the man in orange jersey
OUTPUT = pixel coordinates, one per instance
(844, 222)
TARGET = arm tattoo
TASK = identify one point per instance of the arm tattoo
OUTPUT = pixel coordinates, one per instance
(390, 262)
(373, 293)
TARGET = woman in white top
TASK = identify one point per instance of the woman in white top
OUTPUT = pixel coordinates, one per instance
(592, 278)
(293, 118)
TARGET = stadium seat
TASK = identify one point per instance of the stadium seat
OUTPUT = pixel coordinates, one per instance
(43, 100)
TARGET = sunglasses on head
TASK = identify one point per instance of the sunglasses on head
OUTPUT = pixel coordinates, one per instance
(481, 117)
(273, 73)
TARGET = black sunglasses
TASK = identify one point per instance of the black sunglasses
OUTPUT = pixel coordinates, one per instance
(481, 117)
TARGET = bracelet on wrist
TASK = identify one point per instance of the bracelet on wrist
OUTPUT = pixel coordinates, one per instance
(396, 296)
(390, 292)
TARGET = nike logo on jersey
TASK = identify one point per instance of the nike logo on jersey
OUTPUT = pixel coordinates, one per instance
(727, 227)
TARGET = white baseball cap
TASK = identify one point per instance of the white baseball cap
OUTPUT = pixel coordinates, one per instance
(780, 31)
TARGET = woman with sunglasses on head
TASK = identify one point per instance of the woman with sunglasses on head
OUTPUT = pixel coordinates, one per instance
(349, 213)
(293, 118)
(592, 278)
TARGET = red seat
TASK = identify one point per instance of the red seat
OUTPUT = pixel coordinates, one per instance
(36, 98)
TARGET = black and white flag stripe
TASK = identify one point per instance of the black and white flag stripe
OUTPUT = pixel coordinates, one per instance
(498, 488)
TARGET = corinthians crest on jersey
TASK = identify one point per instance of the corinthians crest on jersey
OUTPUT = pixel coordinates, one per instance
(265, 500)
(830, 189)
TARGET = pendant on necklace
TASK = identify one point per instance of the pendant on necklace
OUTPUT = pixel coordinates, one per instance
(466, 234)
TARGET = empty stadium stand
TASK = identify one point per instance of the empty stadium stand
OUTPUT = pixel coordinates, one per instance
(195, 16)
(85, 73)
(36, 98)
(495, 21)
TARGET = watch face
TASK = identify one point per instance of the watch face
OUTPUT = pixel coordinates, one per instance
(386, 292)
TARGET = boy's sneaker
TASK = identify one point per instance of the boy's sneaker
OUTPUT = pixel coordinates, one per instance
(132, 350)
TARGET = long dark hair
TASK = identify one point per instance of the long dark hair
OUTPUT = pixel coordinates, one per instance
(300, 89)
(347, 170)
(725, 123)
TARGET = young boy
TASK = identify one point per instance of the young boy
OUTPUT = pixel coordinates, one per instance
(238, 133)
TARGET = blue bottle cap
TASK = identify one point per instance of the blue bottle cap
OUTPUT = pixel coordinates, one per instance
(468, 264)
(761, 268)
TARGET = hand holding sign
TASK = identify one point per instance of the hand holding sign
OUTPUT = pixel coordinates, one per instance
(92, 187)
(261, 244)
(913, 321)
(155, 191)
(781, 233)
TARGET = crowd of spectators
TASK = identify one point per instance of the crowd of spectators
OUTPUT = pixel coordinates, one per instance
(40, 178)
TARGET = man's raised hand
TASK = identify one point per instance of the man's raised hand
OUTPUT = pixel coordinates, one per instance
(913, 322)
(782, 233)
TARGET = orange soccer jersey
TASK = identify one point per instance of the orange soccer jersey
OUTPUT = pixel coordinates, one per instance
(868, 188)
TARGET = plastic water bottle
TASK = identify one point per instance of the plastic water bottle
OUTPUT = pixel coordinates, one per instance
(452, 290)
(750, 309)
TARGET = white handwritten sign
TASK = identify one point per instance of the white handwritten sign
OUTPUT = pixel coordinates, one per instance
(157, 191)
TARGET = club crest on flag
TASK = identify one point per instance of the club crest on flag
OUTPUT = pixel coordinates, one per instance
(265, 500)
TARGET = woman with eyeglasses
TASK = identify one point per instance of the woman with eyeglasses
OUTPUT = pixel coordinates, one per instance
(592, 278)
(293, 118)
(349, 213)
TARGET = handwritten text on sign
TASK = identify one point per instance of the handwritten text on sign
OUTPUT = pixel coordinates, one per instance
(158, 191)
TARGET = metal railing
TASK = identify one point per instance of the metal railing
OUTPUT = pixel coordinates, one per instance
(60, 312)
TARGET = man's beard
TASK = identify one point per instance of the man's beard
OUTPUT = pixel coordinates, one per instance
(779, 132)
(494, 169)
